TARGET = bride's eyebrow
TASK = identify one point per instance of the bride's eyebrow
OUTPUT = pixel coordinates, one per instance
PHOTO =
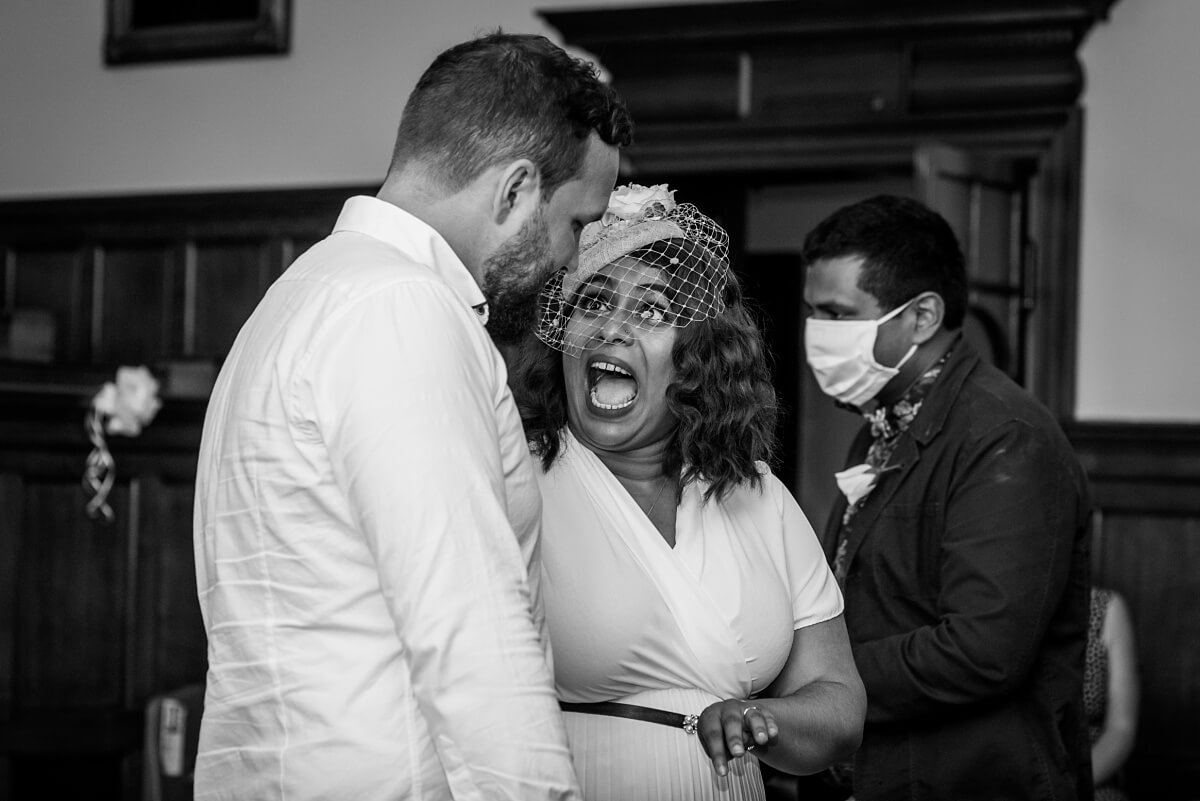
(595, 282)
(654, 285)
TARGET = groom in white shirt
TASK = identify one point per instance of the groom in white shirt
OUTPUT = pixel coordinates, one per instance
(366, 517)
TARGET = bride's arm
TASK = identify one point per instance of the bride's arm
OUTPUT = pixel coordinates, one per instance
(809, 718)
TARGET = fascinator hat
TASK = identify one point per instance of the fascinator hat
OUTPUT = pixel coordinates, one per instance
(647, 225)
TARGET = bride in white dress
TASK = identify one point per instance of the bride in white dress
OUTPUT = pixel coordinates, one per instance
(679, 575)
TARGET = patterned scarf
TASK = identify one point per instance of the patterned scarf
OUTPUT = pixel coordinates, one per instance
(887, 424)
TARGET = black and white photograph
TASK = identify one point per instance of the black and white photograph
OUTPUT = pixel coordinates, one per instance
(600, 400)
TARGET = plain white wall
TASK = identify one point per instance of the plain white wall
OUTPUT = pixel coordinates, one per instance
(1139, 338)
(325, 114)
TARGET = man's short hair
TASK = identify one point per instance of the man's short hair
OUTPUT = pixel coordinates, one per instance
(504, 97)
(906, 248)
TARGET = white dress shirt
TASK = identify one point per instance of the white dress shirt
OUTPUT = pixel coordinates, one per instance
(366, 537)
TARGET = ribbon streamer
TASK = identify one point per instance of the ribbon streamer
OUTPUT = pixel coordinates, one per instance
(100, 471)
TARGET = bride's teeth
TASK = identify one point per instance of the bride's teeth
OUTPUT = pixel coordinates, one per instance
(611, 368)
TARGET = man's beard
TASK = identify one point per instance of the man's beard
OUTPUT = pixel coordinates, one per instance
(513, 278)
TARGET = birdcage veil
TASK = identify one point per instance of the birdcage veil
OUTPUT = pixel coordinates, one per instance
(643, 224)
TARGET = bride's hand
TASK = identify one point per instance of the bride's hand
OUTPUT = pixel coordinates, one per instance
(728, 729)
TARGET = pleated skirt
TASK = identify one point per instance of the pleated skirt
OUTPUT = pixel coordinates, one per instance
(617, 759)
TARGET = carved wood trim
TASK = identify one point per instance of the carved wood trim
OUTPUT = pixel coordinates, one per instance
(170, 215)
(787, 85)
(1141, 467)
(704, 23)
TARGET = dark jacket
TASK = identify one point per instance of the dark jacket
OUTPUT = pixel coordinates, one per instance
(967, 599)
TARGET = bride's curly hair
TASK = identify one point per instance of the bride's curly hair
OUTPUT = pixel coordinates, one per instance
(722, 397)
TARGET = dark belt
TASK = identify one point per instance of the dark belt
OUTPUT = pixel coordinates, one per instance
(644, 713)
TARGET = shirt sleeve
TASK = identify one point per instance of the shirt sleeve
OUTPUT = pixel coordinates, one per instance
(815, 594)
(406, 387)
(1006, 557)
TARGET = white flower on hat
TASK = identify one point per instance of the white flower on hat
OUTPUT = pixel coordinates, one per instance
(636, 202)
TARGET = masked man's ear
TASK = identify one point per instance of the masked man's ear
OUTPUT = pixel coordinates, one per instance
(931, 312)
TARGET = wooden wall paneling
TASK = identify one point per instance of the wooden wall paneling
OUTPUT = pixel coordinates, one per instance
(1152, 561)
(1052, 266)
(12, 502)
(1141, 468)
(131, 671)
(841, 83)
(71, 588)
(59, 280)
(132, 704)
(171, 643)
(1146, 489)
(70, 647)
(672, 95)
(139, 295)
(845, 83)
(963, 73)
(101, 616)
(290, 248)
(286, 249)
(226, 279)
(150, 278)
(175, 217)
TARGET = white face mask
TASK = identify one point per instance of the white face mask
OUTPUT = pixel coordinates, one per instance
(841, 354)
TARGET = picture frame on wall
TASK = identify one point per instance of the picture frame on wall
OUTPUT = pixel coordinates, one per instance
(168, 30)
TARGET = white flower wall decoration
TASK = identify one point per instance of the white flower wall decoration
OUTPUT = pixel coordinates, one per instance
(122, 407)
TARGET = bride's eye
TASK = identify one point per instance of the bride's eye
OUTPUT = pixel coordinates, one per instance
(593, 304)
(654, 313)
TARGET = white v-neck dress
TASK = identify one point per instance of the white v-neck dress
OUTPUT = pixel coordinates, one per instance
(633, 620)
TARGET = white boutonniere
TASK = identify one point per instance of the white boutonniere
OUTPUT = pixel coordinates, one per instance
(856, 482)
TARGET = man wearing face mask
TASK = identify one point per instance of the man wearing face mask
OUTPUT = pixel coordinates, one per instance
(959, 537)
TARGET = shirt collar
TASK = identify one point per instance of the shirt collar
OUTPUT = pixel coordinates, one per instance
(413, 237)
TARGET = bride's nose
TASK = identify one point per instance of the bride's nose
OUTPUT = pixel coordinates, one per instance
(617, 327)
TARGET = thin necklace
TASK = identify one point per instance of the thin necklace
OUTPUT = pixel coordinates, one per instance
(662, 487)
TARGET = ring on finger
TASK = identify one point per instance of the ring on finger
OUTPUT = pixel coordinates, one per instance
(748, 708)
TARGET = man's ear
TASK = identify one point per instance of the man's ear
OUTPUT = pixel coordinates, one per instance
(931, 311)
(518, 193)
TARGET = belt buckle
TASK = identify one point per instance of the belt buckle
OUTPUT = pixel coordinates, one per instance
(690, 722)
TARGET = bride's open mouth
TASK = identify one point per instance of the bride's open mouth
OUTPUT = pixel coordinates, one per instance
(610, 386)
